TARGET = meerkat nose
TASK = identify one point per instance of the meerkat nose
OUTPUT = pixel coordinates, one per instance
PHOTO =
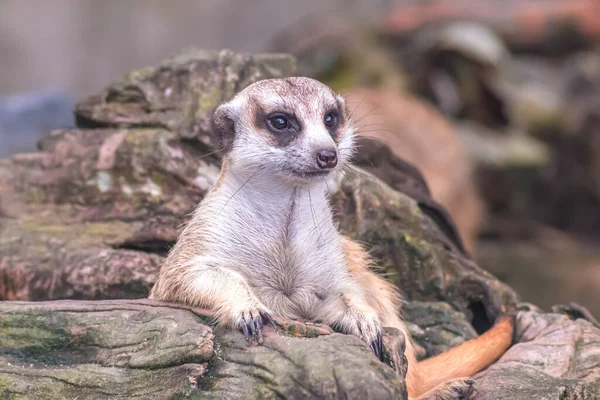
(326, 159)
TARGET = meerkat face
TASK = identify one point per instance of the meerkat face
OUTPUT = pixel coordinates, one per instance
(298, 129)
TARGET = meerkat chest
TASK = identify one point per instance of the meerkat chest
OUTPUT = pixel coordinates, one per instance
(292, 258)
(307, 271)
(302, 253)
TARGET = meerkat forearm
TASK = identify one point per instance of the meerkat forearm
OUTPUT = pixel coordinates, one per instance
(231, 297)
(224, 291)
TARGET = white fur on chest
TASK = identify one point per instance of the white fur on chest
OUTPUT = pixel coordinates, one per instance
(282, 240)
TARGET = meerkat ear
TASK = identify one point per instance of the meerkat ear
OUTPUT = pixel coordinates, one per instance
(223, 127)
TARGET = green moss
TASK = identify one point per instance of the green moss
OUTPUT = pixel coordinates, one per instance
(35, 195)
(301, 330)
(140, 136)
(33, 336)
(77, 233)
(207, 101)
(341, 76)
(36, 226)
(56, 391)
(186, 393)
(158, 179)
(414, 246)
(104, 229)
(138, 75)
(6, 382)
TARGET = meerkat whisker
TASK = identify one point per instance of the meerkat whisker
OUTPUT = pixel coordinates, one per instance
(362, 134)
(344, 173)
(208, 154)
(368, 114)
(351, 115)
(312, 209)
(237, 191)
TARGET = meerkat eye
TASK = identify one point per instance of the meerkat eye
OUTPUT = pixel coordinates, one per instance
(331, 120)
(279, 122)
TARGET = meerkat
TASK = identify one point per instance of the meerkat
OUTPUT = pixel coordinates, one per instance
(263, 241)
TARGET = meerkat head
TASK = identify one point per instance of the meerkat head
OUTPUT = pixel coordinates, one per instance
(297, 129)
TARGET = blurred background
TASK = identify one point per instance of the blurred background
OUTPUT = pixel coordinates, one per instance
(496, 101)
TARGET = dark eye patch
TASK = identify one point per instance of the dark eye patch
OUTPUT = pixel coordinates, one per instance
(281, 128)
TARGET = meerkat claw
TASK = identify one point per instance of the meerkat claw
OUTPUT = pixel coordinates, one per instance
(256, 327)
(252, 326)
(244, 325)
(377, 346)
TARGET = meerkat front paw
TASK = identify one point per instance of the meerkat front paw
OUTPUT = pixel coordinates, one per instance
(250, 319)
(248, 316)
(367, 327)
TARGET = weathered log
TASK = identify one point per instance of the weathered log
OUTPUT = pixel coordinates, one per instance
(123, 349)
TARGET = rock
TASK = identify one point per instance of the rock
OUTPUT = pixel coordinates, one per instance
(181, 93)
(465, 69)
(411, 250)
(474, 41)
(377, 158)
(461, 67)
(417, 133)
(575, 311)
(544, 167)
(547, 267)
(511, 150)
(555, 358)
(558, 183)
(117, 195)
(110, 349)
(59, 271)
(114, 197)
(140, 348)
(571, 193)
(553, 27)
(122, 349)
(437, 327)
(25, 118)
(333, 49)
(536, 98)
